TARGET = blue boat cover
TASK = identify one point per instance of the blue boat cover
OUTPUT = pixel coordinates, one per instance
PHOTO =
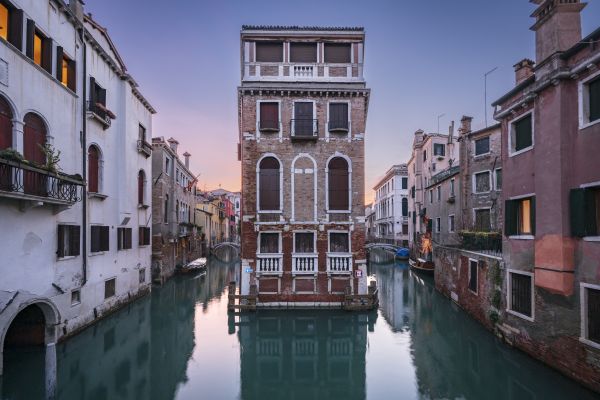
(402, 252)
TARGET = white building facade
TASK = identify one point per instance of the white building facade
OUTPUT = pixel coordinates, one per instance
(73, 186)
(391, 206)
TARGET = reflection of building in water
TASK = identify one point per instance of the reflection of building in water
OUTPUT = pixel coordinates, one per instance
(394, 295)
(304, 355)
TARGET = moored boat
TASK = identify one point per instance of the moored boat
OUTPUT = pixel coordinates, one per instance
(402, 254)
(197, 265)
(422, 265)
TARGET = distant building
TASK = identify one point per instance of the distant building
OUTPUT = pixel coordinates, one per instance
(370, 222)
(443, 205)
(232, 213)
(176, 239)
(391, 206)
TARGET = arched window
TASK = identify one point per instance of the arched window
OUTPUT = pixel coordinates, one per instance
(339, 189)
(6, 125)
(93, 169)
(34, 136)
(269, 195)
(404, 207)
(141, 187)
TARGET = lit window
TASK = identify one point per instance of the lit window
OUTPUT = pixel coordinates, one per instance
(3, 22)
(37, 49)
(520, 217)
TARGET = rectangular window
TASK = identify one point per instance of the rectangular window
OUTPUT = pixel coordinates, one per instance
(473, 275)
(123, 238)
(338, 117)
(585, 211)
(593, 89)
(141, 132)
(304, 242)
(142, 276)
(269, 116)
(339, 242)
(520, 216)
(97, 103)
(269, 242)
(303, 52)
(592, 314)
(482, 146)
(520, 293)
(144, 236)
(65, 69)
(405, 229)
(438, 224)
(521, 134)
(451, 187)
(498, 179)
(75, 297)
(482, 182)
(303, 124)
(482, 220)
(451, 223)
(99, 238)
(404, 183)
(439, 149)
(110, 288)
(37, 49)
(269, 51)
(439, 193)
(338, 53)
(424, 155)
(167, 165)
(68, 240)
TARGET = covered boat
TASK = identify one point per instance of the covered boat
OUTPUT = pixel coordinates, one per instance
(198, 264)
(402, 254)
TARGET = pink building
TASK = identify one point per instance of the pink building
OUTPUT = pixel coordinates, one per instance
(551, 166)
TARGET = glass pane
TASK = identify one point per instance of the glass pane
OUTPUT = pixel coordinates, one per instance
(338, 243)
(269, 243)
(37, 49)
(482, 146)
(525, 217)
(523, 133)
(305, 242)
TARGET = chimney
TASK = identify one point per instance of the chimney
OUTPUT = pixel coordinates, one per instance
(77, 7)
(173, 144)
(187, 155)
(523, 70)
(465, 124)
(557, 26)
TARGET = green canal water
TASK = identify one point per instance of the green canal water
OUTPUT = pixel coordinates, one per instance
(180, 343)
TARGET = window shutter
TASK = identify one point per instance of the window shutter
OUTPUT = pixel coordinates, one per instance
(269, 52)
(577, 206)
(75, 240)
(532, 215)
(29, 38)
(128, 235)
(303, 52)
(104, 239)
(510, 218)
(47, 55)
(140, 236)
(15, 29)
(590, 213)
(524, 133)
(101, 96)
(60, 252)
(59, 62)
(594, 100)
(337, 53)
(119, 238)
(72, 79)
(92, 90)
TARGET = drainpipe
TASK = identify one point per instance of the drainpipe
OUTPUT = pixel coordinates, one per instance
(83, 151)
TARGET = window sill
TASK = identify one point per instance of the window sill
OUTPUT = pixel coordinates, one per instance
(143, 206)
(143, 245)
(270, 212)
(589, 343)
(65, 258)
(98, 253)
(472, 292)
(518, 314)
(340, 212)
(75, 304)
(269, 130)
(588, 124)
(516, 153)
(482, 155)
(591, 239)
(96, 195)
(522, 237)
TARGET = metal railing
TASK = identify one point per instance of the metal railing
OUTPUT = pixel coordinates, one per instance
(269, 263)
(22, 180)
(305, 263)
(338, 125)
(482, 242)
(304, 128)
(144, 147)
(339, 263)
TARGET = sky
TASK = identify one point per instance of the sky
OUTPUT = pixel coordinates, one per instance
(423, 59)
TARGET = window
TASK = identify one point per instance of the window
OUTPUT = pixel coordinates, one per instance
(590, 305)
(6, 124)
(451, 223)
(481, 182)
(269, 52)
(404, 207)
(303, 52)
(339, 242)
(438, 224)
(405, 229)
(303, 124)
(269, 243)
(520, 293)
(141, 133)
(424, 155)
(75, 297)
(451, 187)
(4, 21)
(11, 25)
(99, 238)
(585, 211)
(93, 169)
(167, 166)
(337, 53)
(269, 116)
(144, 236)
(430, 196)
(166, 210)
(269, 188)
(68, 240)
(590, 112)
(520, 216)
(473, 275)
(338, 117)
(439, 193)
(39, 47)
(433, 166)
(65, 69)
(123, 238)
(141, 187)
(304, 242)
(439, 149)
(498, 181)
(109, 288)
(482, 146)
(521, 134)
(482, 220)
(98, 99)
(142, 275)
(338, 185)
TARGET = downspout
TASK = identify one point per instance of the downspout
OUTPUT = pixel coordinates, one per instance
(83, 158)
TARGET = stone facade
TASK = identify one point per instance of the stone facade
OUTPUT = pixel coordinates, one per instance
(287, 277)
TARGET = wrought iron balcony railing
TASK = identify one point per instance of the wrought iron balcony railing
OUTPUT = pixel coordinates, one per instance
(304, 128)
(23, 181)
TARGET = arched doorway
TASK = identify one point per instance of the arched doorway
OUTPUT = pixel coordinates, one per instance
(27, 328)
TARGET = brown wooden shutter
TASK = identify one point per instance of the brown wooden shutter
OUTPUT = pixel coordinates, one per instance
(60, 252)
(338, 184)
(510, 218)
(29, 38)
(119, 238)
(338, 116)
(269, 51)
(15, 28)
(92, 90)
(104, 238)
(140, 187)
(269, 184)
(59, 62)
(47, 54)
(128, 238)
(94, 239)
(303, 119)
(269, 116)
(337, 53)
(303, 52)
(75, 240)
(72, 72)
(93, 169)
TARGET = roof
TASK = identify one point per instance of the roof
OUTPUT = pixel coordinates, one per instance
(443, 175)
(301, 28)
(398, 169)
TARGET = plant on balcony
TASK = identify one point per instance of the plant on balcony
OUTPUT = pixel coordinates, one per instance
(52, 157)
(473, 240)
(11, 154)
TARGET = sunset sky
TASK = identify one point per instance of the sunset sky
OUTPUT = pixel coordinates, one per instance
(423, 59)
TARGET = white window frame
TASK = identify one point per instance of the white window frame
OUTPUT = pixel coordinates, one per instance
(315, 119)
(476, 292)
(451, 216)
(584, 101)
(280, 248)
(496, 179)
(104, 289)
(349, 161)
(349, 136)
(511, 124)
(475, 209)
(314, 232)
(439, 192)
(258, 210)
(591, 185)
(329, 241)
(280, 132)
(508, 294)
(489, 138)
(73, 304)
(583, 298)
(474, 181)
(438, 225)
(526, 236)
(452, 187)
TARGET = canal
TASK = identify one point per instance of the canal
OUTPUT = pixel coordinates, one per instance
(180, 343)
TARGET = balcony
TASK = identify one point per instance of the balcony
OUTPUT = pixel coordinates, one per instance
(299, 72)
(100, 113)
(304, 129)
(342, 126)
(339, 263)
(144, 148)
(305, 264)
(269, 264)
(22, 181)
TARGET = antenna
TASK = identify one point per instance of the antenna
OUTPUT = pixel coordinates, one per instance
(485, 92)
(438, 119)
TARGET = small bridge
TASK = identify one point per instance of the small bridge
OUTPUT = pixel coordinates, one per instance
(226, 251)
(233, 245)
(385, 246)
